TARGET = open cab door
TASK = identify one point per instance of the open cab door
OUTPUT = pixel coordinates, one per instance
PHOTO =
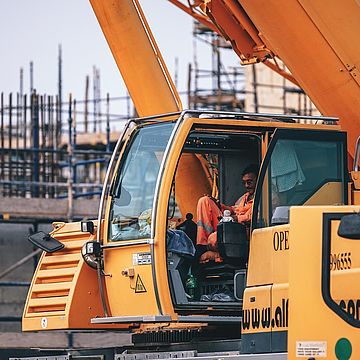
(304, 168)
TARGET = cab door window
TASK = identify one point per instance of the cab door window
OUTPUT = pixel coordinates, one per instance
(299, 171)
(133, 193)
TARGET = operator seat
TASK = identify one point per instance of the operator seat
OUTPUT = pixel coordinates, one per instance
(233, 246)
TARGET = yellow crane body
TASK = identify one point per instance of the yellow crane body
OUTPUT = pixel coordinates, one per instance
(287, 283)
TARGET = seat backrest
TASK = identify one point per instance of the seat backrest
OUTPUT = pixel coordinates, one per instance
(232, 241)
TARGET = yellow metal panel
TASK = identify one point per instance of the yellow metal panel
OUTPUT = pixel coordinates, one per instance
(256, 307)
(345, 267)
(310, 319)
(43, 274)
(356, 197)
(60, 300)
(269, 249)
(329, 193)
(48, 290)
(62, 258)
(124, 298)
(64, 292)
(279, 307)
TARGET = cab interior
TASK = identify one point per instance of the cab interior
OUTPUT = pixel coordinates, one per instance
(210, 164)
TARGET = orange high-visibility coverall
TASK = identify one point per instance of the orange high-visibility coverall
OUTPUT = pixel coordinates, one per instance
(208, 213)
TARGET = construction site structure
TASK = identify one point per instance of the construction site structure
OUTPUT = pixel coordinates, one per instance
(284, 287)
(218, 88)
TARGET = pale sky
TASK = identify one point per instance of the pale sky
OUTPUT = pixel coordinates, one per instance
(32, 30)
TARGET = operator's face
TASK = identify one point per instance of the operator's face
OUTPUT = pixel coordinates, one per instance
(249, 181)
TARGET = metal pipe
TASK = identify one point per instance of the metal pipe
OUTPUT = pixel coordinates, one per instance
(31, 77)
(51, 142)
(10, 142)
(86, 111)
(2, 172)
(14, 283)
(10, 318)
(54, 184)
(73, 147)
(60, 83)
(24, 139)
(239, 13)
(20, 262)
(107, 122)
(17, 139)
(35, 132)
(43, 144)
(71, 170)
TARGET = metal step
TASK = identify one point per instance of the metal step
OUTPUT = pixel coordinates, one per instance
(194, 355)
(167, 318)
(132, 319)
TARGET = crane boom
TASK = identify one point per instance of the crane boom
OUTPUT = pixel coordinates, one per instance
(317, 41)
(137, 56)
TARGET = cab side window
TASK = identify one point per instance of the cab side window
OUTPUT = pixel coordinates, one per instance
(300, 172)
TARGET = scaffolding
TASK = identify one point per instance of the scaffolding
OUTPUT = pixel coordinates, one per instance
(218, 88)
(253, 88)
(44, 160)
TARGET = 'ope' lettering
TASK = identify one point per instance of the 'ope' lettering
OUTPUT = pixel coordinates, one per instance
(281, 240)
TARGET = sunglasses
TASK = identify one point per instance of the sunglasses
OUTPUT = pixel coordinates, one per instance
(248, 182)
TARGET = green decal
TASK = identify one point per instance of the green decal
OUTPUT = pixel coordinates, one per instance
(343, 349)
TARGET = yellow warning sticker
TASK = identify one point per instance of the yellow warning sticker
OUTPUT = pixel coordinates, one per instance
(139, 286)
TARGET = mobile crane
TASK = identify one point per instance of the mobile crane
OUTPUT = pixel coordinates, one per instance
(292, 294)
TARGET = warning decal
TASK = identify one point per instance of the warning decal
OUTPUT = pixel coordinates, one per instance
(311, 348)
(139, 286)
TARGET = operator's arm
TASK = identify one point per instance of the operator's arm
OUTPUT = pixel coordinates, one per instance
(246, 217)
(243, 209)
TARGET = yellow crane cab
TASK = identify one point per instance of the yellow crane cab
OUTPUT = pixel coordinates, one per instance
(166, 164)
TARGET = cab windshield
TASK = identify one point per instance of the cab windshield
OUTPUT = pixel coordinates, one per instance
(133, 193)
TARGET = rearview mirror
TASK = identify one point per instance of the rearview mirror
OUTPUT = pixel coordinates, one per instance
(45, 242)
(350, 226)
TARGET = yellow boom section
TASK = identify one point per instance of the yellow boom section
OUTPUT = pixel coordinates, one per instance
(316, 39)
(137, 56)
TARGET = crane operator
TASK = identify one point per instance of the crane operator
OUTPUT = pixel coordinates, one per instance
(210, 210)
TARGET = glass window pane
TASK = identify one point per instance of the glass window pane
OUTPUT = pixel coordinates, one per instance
(133, 196)
(301, 172)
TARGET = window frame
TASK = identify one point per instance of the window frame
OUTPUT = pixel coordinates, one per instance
(297, 134)
(120, 168)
